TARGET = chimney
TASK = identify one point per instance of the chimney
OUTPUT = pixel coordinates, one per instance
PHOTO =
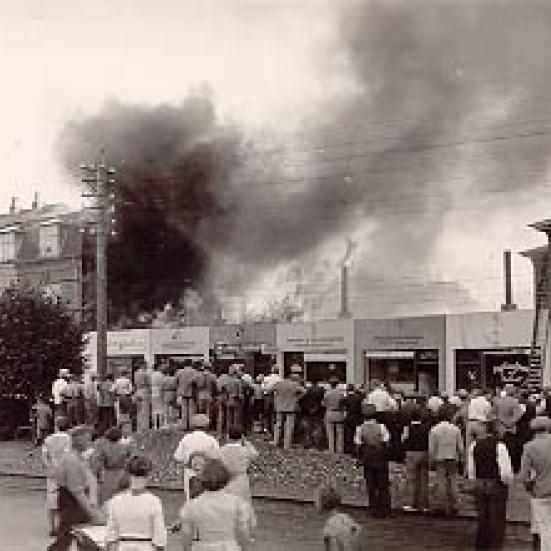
(345, 312)
(34, 205)
(508, 306)
(13, 205)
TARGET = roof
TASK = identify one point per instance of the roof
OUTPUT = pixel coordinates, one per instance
(46, 212)
(535, 253)
(543, 226)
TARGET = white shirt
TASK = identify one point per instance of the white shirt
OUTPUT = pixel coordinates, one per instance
(58, 387)
(136, 515)
(197, 441)
(122, 385)
(269, 381)
(503, 463)
(385, 435)
(479, 409)
(381, 399)
(434, 403)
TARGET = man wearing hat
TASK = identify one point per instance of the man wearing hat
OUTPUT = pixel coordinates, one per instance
(334, 416)
(142, 396)
(535, 473)
(185, 393)
(268, 388)
(371, 440)
(287, 394)
(507, 411)
(74, 499)
(489, 465)
(235, 394)
(198, 441)
(58, 386)
(205, 381)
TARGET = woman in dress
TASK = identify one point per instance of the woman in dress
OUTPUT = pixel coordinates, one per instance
(110, 459)
(135, 520)
(237, 455)
(216, 520)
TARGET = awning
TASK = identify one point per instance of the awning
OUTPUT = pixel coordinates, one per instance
(390, 354)
(324, 357)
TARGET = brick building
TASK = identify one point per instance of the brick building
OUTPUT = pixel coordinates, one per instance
(46, 246)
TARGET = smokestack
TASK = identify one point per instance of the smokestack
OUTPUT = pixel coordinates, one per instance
(34, 205)
(345, 312)
(508, 306)
(13, 205)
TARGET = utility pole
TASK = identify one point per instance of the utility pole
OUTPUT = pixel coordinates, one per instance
(100, 179)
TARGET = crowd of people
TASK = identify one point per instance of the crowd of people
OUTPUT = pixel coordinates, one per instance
(487, 437)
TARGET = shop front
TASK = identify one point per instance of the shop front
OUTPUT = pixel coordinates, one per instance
(124, 350)
(181, 344)
(323, 349)
(489, 349)
(408, 353)
(251, 345)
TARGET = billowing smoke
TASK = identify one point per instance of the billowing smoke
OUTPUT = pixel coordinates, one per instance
(446, 104)
(172, 163)
(451, 103)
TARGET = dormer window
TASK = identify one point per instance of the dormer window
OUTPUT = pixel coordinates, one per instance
(8, 243)
(49, 238)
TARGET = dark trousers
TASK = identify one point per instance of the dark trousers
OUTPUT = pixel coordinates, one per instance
(106, 417)
(269, 413)
(378, 487)
(491, 508)
(514, 448)
(70, 515)
(234, 414)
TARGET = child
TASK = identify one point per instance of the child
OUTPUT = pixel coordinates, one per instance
(41, 418)
(341, 532)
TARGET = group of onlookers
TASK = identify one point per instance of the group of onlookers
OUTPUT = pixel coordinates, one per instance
(487, 437)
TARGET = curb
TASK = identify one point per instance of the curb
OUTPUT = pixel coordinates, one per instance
(266, 496)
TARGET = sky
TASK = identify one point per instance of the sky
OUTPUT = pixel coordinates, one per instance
(275, 67)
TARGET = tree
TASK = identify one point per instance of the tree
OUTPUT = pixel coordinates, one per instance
(38, 336)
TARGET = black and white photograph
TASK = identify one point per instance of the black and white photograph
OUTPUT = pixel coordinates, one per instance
(275, 275)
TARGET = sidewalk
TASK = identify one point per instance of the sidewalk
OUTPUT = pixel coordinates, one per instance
(276, 474)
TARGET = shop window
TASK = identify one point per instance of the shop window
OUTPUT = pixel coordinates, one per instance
(49, 240)
(321, 372)
(7, 246)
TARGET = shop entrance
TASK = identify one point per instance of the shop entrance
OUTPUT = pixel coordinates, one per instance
(491, 368)
(316, 367)
(404, 370)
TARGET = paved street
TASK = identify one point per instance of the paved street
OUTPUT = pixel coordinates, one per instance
(292, 527)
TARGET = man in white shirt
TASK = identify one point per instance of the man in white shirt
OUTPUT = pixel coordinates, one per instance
(435, 402)
(489, 465)
(196, 442)
(268, 388)
(58, 386)
(381, 399)
(478, 414)
(122, 389)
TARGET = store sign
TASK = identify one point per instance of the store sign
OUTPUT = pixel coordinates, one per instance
(185, 340)
(390, 354)
(127, 343)
(510, 373)
(411, 341)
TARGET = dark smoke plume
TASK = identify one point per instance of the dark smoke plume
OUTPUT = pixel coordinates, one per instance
(449, 104)
(170, 161)
(452, 102)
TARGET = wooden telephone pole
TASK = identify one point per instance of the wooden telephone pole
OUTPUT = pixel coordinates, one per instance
(100, 179)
